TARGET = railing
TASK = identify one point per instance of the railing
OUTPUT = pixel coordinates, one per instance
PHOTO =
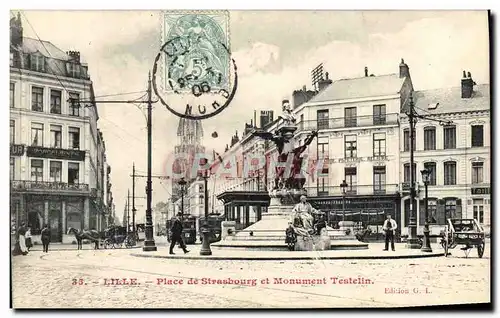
(23, 185)
(378, 189)
(348, 122)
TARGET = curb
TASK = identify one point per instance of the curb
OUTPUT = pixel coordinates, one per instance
(274, 258)
(86, 249)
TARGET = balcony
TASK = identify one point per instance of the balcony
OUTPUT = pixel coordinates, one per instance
(49, 187)
(379, 189)
(349, 122)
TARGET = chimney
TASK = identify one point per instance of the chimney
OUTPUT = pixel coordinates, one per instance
(467, 85)
(74, 56)
(366, 71)
(324, 82)
(16, 31)
(404, 70)
(266, 117)
(304, 88)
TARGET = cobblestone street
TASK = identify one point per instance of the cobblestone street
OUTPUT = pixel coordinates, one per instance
(65, 278)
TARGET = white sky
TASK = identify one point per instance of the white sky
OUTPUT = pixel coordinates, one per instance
(274, 52)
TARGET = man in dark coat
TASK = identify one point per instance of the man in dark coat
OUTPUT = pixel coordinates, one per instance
(176, 232)
(45, 238)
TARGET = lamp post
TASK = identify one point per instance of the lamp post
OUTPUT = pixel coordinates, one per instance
(205, 230)
(426, 246)
(182, 183)
(343, 185)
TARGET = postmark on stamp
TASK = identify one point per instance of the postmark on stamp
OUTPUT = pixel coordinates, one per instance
(194, 75)
(197, 55)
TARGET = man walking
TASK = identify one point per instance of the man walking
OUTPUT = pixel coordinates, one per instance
(45, 238)
(176, 235)
(389, 227)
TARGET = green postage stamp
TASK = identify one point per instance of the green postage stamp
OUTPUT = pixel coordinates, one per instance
(196, 51)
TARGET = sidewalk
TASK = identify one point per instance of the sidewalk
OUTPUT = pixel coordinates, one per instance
(374, 251)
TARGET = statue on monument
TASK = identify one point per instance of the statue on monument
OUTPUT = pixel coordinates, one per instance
(282, 138)
(302, 218)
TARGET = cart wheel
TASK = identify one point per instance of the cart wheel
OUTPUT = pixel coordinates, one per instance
(117, 245)
(480, 249)
(108, 244)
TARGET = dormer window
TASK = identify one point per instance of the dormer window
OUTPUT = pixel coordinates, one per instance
(73, 69)
(37, 62)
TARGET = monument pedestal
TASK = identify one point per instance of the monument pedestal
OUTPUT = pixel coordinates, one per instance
(269, 234)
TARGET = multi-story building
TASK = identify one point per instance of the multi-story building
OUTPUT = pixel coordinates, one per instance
(57, 153)
(458, 155)
(357, 120)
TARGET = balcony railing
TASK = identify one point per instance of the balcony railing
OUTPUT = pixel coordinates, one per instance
(349, 122)
(40, 186)
(379, 189)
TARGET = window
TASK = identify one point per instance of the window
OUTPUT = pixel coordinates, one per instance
(11, 59)
(73, 69)
(322, 117)
(37, 99)
(379, 114)
(406, 137)
(477, 172)
(74, 138)
(12, 95)
(55, 171)
(37, 63)
(379, 180)
(55, 102)
(432, 212)
(323, 150)
(12, 168)
(36, 170)
(350, 146)
(351, 179)
(450, 137)
(74, 106)
(478, 210)
(55, 136)
(12, 131)
(350, 119)
(450, 173)
(73, 172)
(323, 186)
(378, 144)
(450, 208)
(431, 166)
(430, 138)
(477, 136)
(37, 134)
(406, 176)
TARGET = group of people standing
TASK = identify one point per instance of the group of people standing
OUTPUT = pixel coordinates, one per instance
(24, 240)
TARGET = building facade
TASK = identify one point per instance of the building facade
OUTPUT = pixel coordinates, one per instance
(458, 155)
(57, 163)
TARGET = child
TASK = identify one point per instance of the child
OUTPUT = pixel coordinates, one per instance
(291, 237)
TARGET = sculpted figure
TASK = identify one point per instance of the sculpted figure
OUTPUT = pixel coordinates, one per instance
(302, 217)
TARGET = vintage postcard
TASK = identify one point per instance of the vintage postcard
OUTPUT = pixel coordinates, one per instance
(250, 159)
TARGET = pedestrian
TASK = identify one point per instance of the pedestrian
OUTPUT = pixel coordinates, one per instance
(20, 247)
(176, 231)
(45, 238)
(29, 240)
(389, 227)
(291, 237)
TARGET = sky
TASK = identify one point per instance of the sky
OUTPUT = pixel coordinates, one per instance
(274, 52)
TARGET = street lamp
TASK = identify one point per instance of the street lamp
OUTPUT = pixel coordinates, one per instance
(205, 230)
(343, 185)
(182, 183)
(426, 246)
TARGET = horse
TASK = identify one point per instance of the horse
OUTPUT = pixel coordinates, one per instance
(91, 235)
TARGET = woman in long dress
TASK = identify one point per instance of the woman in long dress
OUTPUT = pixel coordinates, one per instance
(20, 247)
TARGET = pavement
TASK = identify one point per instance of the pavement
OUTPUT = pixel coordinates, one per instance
(374, 251)
(82, 279)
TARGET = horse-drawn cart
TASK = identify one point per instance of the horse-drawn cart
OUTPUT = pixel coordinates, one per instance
(117, 236)
(467, 232)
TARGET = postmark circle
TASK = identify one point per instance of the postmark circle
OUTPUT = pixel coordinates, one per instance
(219, 100)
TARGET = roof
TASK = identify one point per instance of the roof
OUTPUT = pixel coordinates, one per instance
(450, 100)
(45, 48)
(360, 87)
